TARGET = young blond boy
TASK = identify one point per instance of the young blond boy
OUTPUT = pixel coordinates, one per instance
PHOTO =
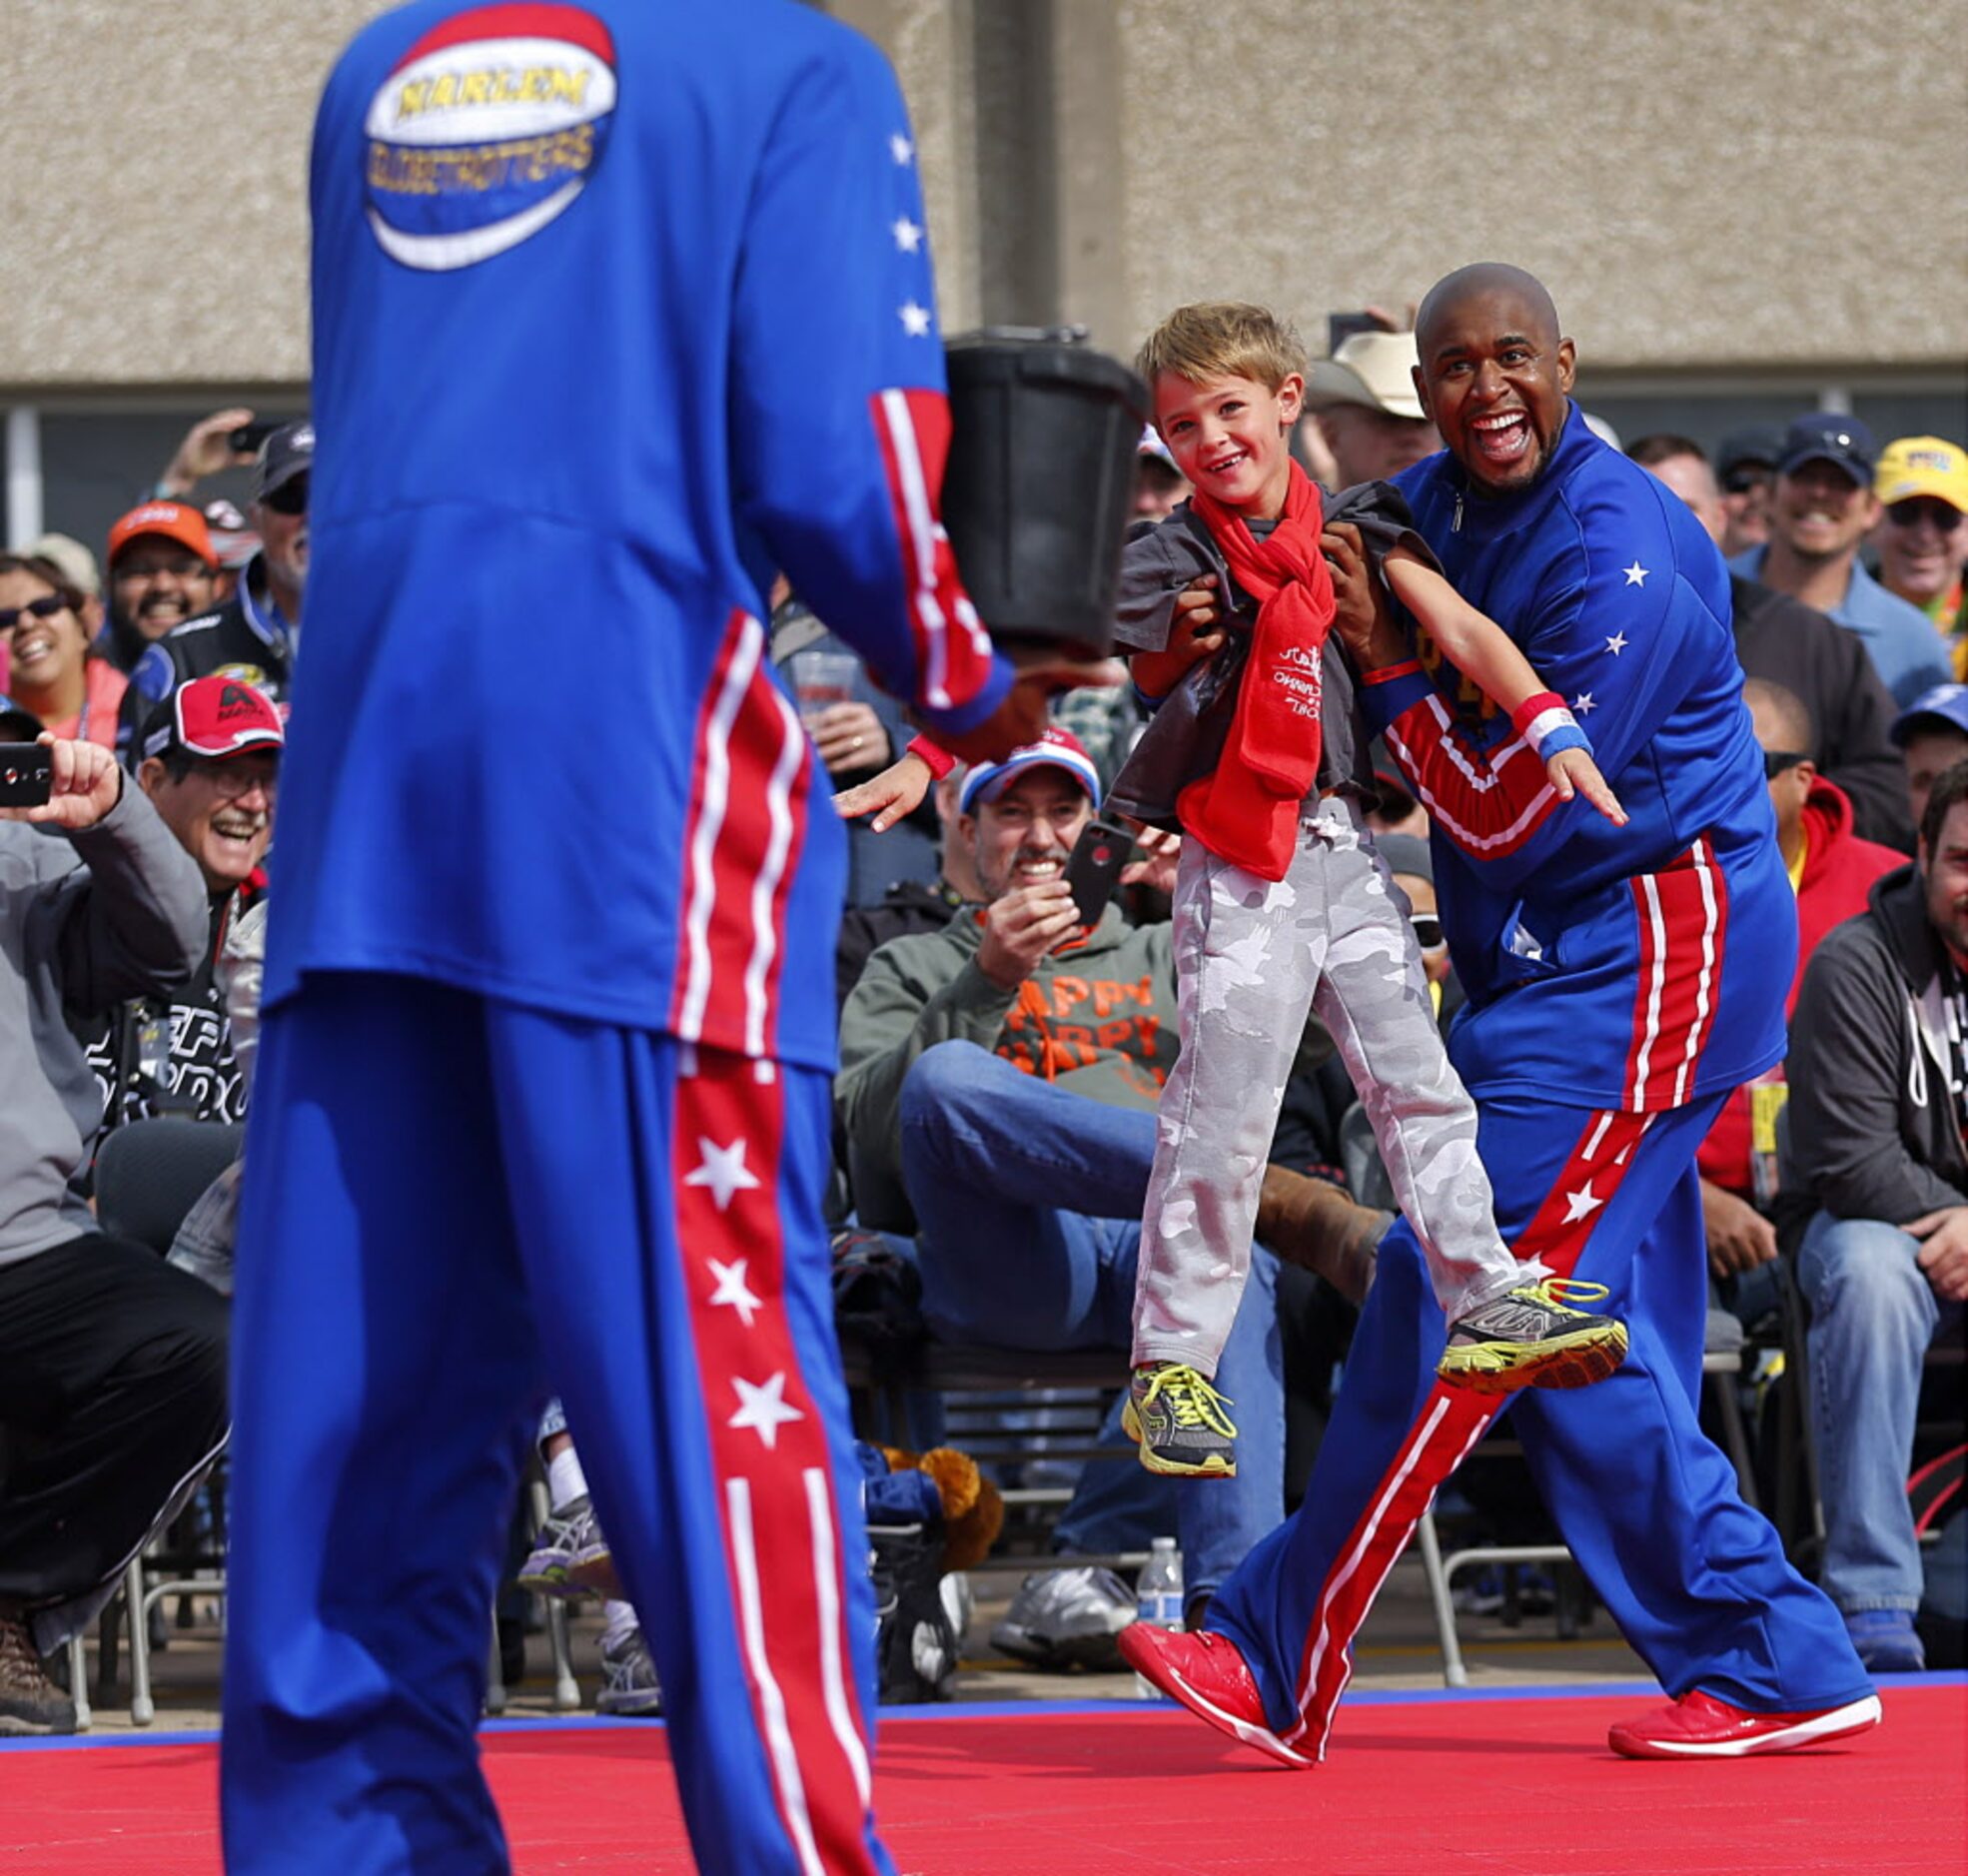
(1282, 905)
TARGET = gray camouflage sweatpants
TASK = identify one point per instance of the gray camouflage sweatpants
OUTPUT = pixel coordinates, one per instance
(1252, 957)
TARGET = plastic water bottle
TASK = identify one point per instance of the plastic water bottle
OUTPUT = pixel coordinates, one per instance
(1158, 1599)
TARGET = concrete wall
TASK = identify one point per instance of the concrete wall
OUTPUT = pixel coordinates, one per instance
(1699, 183)
(153, 188)
(1725, 184)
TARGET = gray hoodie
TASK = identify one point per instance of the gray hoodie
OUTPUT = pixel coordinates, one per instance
(116, 910)
(1874, 1129)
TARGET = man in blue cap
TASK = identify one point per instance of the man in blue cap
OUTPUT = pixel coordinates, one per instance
(1821, 508)
(1931, 734)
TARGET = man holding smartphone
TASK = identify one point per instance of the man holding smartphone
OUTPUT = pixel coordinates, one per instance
(112, 1364)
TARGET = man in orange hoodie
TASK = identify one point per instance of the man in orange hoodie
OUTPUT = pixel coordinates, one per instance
(1831, 869)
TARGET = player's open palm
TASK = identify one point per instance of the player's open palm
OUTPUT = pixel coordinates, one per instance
(1574, 772)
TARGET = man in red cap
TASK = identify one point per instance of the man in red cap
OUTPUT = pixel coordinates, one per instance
(211, 768)
(161, 569)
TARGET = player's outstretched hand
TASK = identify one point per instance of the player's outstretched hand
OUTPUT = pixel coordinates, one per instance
(1021, 718)
(897, 791)
(1156, 869)
(86, 783)
(1574, 772)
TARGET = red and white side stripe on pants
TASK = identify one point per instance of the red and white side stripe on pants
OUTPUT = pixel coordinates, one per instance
(953, 650)
(1684, 913)
(749, 781)
(1451, 1420)
(770, 1463)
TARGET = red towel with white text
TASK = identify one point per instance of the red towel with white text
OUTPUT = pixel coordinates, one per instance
(1247, 808)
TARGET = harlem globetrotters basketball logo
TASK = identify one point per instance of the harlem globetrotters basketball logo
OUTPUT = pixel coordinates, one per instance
(486, 130)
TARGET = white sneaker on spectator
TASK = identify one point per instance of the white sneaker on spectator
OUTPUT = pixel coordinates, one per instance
(1067, 1618)
(629, 1689)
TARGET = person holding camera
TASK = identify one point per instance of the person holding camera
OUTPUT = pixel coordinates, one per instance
(111, 1364)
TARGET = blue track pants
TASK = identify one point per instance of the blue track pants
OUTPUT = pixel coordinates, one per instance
(451, 1199)
(1697, 1580)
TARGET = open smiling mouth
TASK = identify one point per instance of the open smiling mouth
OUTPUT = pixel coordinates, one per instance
(1503, 439)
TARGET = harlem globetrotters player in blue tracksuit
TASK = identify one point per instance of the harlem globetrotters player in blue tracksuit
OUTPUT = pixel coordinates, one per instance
(1621, 981)
(617, 309)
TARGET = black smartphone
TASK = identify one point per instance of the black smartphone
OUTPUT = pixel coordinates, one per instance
(27, 774)
(1340, 327)
(248, 437)
(1094, 869)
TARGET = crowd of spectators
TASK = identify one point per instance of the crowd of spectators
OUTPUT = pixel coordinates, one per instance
(999, 1061)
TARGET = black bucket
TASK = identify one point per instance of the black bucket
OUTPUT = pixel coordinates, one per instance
(1036, 499)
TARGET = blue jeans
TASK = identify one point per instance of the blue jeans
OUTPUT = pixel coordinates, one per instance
(1873, 1312)
(1028, 1201)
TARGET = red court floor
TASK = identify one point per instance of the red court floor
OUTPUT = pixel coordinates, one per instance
(1447, 1785)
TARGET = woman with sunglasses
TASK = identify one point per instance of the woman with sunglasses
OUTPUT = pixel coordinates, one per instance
(50, 667)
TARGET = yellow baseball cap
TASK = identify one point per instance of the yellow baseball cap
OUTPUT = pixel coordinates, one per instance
(1922, 465)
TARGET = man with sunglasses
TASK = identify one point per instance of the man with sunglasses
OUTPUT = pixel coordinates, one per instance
(254, 634)
(1831, 870)
(1745, 466)
(1922, 534)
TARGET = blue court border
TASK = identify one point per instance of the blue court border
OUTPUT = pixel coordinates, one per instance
(1007, 1709)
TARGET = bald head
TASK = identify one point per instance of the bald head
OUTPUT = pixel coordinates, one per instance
(1781, 717)
(1495, 374)
(1481, 280)
(1783, 725)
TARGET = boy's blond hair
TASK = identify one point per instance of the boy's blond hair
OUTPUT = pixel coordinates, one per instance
(1222, 338)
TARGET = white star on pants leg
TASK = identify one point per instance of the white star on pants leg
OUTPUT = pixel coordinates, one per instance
(1581, 1204)
(763, 1410)
(722, 1170)
(731, 1289)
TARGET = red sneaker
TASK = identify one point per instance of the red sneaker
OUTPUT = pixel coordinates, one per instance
(1699, 1726)
(1207, 1674)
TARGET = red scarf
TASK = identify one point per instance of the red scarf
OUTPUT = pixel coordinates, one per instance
(1246, 811)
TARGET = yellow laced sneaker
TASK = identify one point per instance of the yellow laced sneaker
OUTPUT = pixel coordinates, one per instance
(1534, 1338)
(1179, 1422)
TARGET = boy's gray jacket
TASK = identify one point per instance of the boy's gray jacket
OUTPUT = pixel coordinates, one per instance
(1184, 737)
(116, 910)
(1875, 1129)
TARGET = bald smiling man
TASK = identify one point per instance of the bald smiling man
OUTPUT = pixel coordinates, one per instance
(1621, 981)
